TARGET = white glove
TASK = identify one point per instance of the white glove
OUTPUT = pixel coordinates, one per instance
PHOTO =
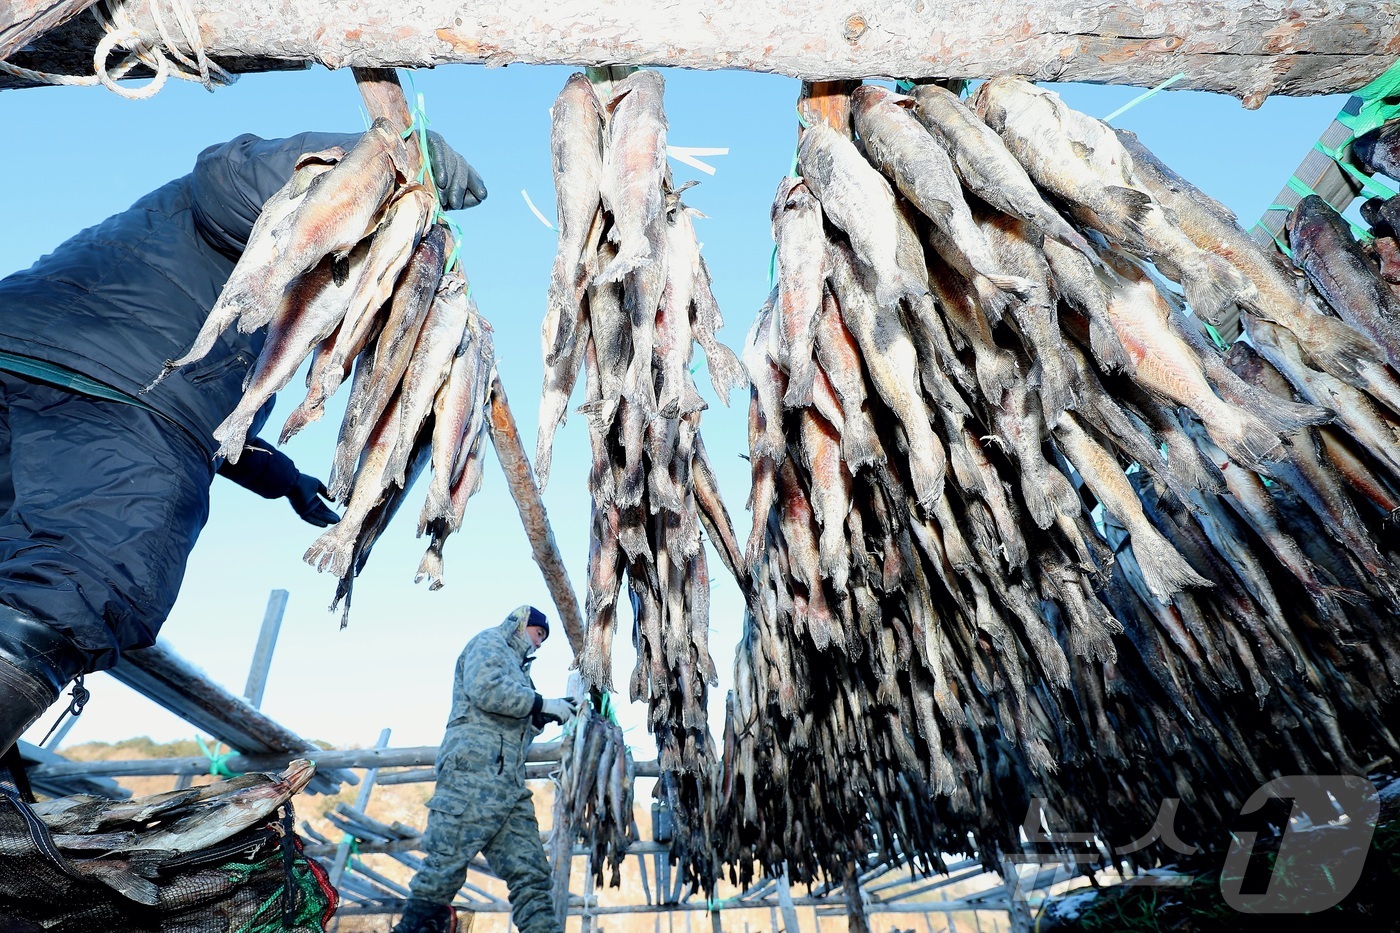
(560, 710)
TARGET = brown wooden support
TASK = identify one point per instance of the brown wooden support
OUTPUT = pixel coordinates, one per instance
(828, 102)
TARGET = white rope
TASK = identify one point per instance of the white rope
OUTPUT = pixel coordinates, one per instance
(119, 32)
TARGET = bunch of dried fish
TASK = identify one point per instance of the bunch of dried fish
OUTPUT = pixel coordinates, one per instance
(596, 785)
(1020, 530)
(139, 848)
(346, 265)
(629, 297)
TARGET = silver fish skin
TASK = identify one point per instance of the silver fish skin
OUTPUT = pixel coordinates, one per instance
(260, 253)
(994, 366)
(1165, 365)
(340, 208)
(987, 168)
(1019, 249)
(893, 367)
(1334, 346)
(726, 372)
(801, 258)
(455, 409)
(841, 364)
(1312, 475)
(430, 363)
(1020, 431)
(466, 485)
(768, 384)
(1079, 160)
(559, 380)
(1323, 247)
(830, 495)
(1259, 511)
(857, 200)
(1078, 285)
(634, 169)
(671, 348)
(335, 548)
(901, 148)
(642, 292)
(228, 815)
(1164, 570)
(408, 308)
(576, 143)
(392, 246)
(612, 342)
(1356, 411)
(311, 312)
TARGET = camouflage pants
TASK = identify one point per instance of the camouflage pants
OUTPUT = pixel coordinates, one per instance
(512, 849)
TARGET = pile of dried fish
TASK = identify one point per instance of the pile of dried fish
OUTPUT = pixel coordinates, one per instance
(346, 265)
(596, 785)
(144, 848)
(630, 295)
(1020, 529)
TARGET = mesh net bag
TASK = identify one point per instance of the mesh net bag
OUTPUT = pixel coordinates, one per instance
(257, 881)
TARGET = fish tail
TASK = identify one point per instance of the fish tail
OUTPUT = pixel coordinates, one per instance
(631, 256)
(430, 567)
(437, 505)
(1057, 394)
(1132, 205)
(859, 444)
(726, 372)
(1284, 416)
(544, 454)
(1013, 284)
(331, 550)
(1338, 348)
(927, 475)
(1248, 441)
(1164, 570)
(1038, 503)
(1213, 286)
(599, 413)
(595, 661)
(801, 376)
(232, 434)
(301, 416)
(564, 311)
(1108, 350)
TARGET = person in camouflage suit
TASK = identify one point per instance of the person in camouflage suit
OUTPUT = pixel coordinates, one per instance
(481, 803)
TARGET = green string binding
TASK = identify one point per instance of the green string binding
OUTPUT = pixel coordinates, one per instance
(218, 763)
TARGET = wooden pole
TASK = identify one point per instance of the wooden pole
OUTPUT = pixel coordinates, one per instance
(828, 102)
(267, 642)
(1245, 48)
(505, 437)
(790, 921)
(855, 907)
(342, 854)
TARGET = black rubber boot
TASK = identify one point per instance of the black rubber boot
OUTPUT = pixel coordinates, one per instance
(36, 662)
(424, 917)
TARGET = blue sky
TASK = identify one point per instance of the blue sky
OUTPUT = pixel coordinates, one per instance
(76, 155)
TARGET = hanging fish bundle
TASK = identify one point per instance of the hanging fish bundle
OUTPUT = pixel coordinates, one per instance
(1020, 530)
(596, 785)
(629, 297)
(345, 265)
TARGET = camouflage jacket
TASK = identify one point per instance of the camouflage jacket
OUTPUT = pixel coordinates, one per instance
(482, 759)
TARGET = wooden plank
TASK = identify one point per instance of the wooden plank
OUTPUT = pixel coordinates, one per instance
(505, 437)
(167, 679)
(326, 759)
(1246, 48)
(267, 642)
(342, 854)
(36, 757)
(23, 20)
(828, 102)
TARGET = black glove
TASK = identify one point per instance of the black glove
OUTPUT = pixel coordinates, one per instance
(305, 496)
(458, 184)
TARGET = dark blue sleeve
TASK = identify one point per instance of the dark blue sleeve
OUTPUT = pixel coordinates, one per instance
(233, 181)
(262, 469)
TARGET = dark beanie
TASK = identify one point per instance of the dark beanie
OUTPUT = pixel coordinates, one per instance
(534, 617)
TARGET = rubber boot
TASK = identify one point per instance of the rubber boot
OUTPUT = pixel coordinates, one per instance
(425, 917)
(36, 662)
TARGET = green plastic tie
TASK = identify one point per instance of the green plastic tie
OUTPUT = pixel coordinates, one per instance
(1219, 341)
(348, 839)
(218, 763)
(1378, 102)
(904, 86)
(1145, 96)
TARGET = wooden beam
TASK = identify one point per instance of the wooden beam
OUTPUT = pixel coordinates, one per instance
(1246, 48)
(267, 642)
(169, 680)
(406, 757)
(828, 102)
(505, 437)
(23, 20)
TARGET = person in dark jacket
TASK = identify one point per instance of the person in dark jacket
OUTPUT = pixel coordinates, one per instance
(481, 803)
(104, 487)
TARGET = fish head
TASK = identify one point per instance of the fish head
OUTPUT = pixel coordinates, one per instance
(645, 84)
(1310, 219)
